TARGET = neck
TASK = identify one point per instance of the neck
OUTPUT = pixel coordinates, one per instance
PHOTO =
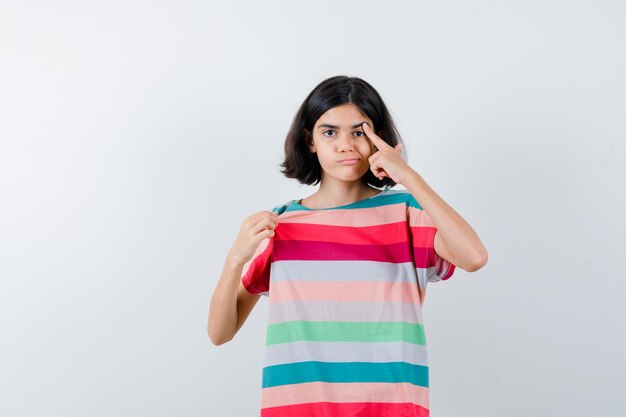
(339, 193)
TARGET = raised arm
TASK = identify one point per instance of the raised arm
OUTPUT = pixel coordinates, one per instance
(455, 240)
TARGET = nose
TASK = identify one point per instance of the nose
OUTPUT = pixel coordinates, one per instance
(345, 142)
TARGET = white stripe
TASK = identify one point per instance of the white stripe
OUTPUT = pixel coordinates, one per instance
(301, 351)
(342, 271)
(344, 311)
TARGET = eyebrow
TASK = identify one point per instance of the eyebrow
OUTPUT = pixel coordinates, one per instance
(336, 127)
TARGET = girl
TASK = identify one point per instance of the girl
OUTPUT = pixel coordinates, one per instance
(345, 269)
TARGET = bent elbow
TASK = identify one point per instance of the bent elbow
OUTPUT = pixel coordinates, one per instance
(479, 261)
(218, 340)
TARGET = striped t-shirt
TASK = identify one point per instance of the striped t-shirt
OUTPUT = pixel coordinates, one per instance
(346, 286)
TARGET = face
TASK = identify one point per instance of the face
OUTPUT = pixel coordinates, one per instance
(340, 143)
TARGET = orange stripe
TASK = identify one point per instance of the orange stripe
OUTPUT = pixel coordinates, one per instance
(344, 392)
(419, 217)
(345, 291)
(371, 216)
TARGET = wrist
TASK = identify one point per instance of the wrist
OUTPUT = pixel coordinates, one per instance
(409, 177)
(233, 261)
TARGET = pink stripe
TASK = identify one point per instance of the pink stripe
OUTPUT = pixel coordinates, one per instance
(260, 250)
(423, 247)
(423, 232)
(332, 409)
(255, 275)
(345, 291)
(384, 234)
(344, 392)
(330, 251)
(419, 217)
(371, 216)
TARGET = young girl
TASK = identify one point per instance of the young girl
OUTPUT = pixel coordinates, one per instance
(344, 269)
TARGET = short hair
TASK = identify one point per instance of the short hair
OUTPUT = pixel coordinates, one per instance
(300, 163)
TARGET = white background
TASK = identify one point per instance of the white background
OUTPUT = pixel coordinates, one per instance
(135, 136)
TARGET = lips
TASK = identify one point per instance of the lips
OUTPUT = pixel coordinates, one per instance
(349, 160)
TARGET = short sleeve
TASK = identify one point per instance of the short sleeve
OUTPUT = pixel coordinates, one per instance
(431, 267)
(255, 275)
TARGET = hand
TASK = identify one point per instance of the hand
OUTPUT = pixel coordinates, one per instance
(387, 161)
(253, 230)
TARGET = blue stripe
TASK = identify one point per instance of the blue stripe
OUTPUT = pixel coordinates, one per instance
(300, 372)
(387, 197)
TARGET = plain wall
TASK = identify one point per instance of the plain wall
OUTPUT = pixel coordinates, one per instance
(135, 137)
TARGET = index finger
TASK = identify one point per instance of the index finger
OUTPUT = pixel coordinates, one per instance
(380, 144)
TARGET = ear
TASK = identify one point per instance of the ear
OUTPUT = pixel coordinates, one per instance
(309, 141)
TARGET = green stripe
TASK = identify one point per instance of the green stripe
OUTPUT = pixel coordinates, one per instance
(344, 331)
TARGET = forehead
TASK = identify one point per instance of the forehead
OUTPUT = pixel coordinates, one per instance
(345, 115)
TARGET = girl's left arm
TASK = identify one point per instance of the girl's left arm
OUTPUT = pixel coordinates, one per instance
(455, 239)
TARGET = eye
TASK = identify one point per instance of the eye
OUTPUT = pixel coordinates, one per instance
(328, 133)
(359, 133)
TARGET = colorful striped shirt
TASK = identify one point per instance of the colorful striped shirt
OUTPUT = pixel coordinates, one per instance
(345, 286)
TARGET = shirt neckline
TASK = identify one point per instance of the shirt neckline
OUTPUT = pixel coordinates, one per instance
(295, 202)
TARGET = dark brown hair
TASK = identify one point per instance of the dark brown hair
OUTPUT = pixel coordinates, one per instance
(300, 163)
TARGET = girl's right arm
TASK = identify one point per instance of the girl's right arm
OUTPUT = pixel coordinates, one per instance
(231, 303)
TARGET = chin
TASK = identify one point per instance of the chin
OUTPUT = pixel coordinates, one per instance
(351, 177)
